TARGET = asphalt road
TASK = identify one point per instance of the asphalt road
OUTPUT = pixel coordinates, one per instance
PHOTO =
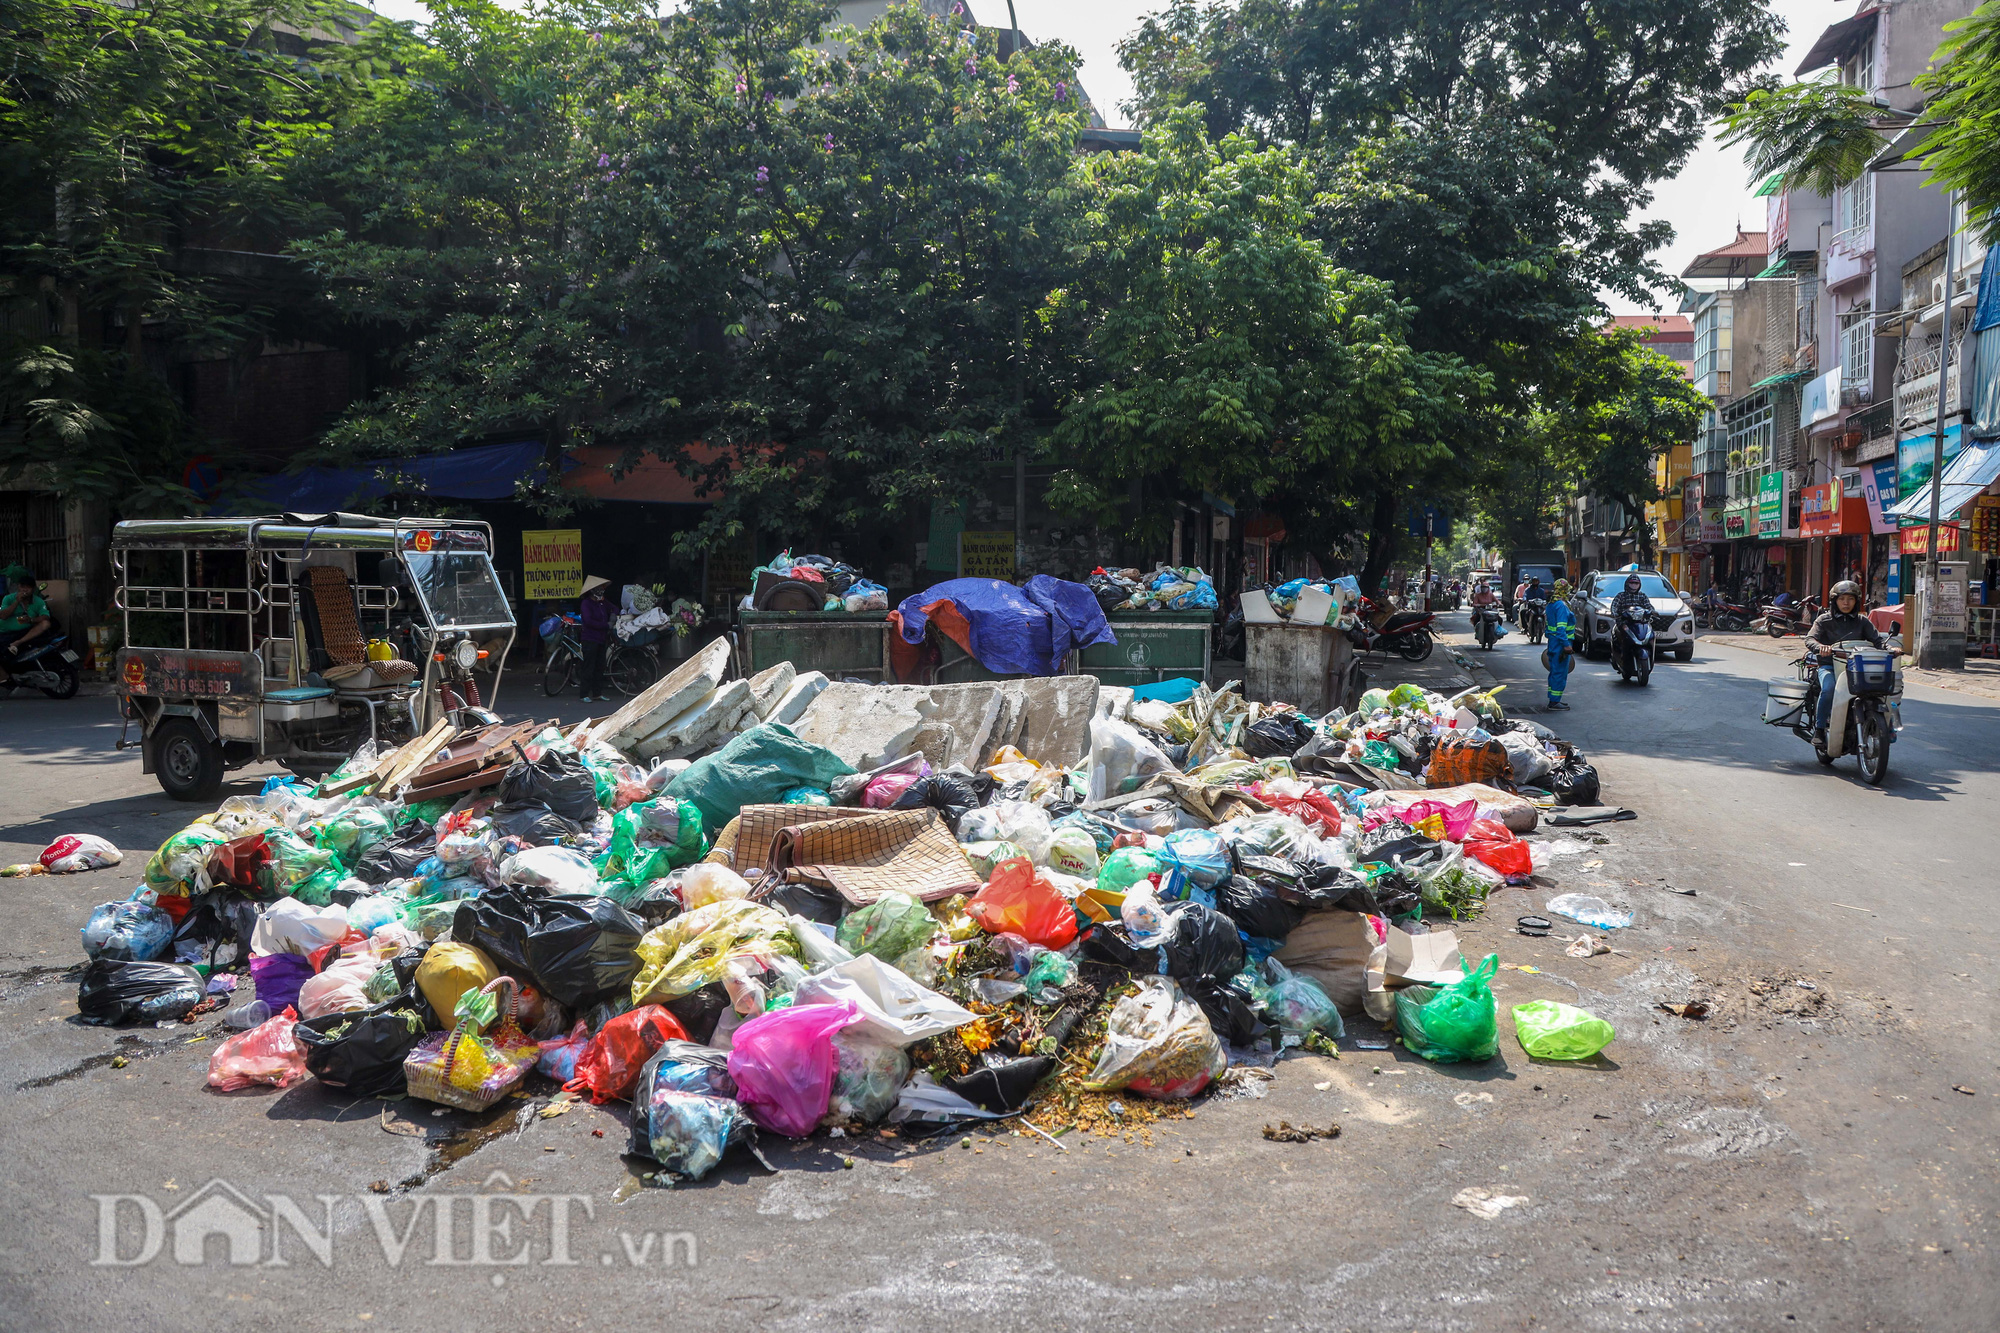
(1798, 1159)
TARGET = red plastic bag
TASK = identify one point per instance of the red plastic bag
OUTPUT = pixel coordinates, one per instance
(610, 1065)
(265, 1056)
(236, 862)
(1494, 843)
(1315, 809)
(1020, 900)
(784, 1062)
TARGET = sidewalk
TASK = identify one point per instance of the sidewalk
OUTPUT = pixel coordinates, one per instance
(1981, 677)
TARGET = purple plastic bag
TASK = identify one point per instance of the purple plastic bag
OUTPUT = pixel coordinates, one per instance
(784, 1062)
(279, 976)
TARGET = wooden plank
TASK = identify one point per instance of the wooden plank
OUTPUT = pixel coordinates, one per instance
(416, 754)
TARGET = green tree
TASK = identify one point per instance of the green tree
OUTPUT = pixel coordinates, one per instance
(1820, 134)
(1963, 151)
(139, 136)
(1229, 354)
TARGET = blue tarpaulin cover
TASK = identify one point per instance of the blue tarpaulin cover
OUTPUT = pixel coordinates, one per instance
(487, 472)
(1027, 630)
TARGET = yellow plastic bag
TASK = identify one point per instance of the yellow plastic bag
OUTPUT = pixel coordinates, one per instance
(695, 948)
(448, 971)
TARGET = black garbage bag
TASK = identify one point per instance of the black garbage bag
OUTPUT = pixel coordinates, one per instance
(573, 947)
(699, 1010)
(825, 906)
(1280, 735)
(950, 795)
(120, 990)
(1001, 1085)
(1230, 1010)
(555, 780)
(398, 855)
(1110, 593)
(1256, 908)
(362, 1053)
(222, 923)
(1574, 781)
(1308, 886)
(1389, 843)
(1204, 944)
(534, 824)
(685, 1115)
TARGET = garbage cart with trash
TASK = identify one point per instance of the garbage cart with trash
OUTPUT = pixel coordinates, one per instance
(778, 904)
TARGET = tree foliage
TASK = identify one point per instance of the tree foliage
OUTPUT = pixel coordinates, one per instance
(1963, 151)
(1820, 134)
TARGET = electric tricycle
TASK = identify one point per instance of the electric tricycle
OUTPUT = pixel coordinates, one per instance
(298, 638)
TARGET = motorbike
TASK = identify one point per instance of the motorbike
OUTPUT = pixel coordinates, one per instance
(1632, 644)
(47, 664)
(1867, 708)
(458, 687)
(1714, 611)
(1792, 618)
(1534, 618)
(1405, 632)
(1487, 626)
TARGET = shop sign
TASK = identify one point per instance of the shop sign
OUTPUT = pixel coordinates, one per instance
(1771, 505)
(986, 555)
(1878, 483)
(1819, 509)
(551, 564)
(1735, 524)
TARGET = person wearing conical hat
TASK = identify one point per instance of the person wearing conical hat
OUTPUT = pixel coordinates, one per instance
(594, 610)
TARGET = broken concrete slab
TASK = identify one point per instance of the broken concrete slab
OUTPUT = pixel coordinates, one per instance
(970, 710)
(798, 696)
(667, 698)
(1006, 728)
(937, 741)
(1055, 718)
(867, 725)
(769, 686)
(707, 721)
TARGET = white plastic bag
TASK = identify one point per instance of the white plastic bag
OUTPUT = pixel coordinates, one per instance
(1024, 825)
(1122, 759)
(289, 926)
(706, 883)
(894, 1009)
(817, 947)
(1531, 762)
(557, 869)
(74, 853)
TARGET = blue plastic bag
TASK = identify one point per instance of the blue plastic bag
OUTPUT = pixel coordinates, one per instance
(1290, 591)
(134, 930)
(1200, 853)
(1202, 598)
(1176, 691)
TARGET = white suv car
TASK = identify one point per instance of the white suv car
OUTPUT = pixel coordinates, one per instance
(1673, 618)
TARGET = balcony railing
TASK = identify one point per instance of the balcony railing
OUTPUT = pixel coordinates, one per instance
(1917, 398)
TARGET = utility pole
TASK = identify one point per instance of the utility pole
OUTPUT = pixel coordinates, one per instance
(1929, 652)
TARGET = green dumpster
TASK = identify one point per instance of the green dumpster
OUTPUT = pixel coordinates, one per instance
(839, 643)
(1153, 646)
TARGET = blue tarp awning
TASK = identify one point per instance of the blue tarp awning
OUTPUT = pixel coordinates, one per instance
(1024, 631)
(486, 472)
(1966, 476)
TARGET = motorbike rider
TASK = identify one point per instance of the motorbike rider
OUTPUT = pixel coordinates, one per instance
(1560, 631)
(24, 616)
(1842, 623)
(1631, 595)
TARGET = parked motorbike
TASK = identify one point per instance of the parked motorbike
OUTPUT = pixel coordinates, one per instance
(1487, 626)
(1867, 709)
(47, 664)
(1534, 618)
(1632, 644)
(1714, 611)
(458, 687)
(1790, 618)
(1405, 632)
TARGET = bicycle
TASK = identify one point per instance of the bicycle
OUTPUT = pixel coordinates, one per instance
(628, 667)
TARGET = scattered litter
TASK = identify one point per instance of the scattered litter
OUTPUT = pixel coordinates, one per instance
(1691, 1009)
(1286, 1132)
(1590, 911)
(1960, 1087)
(1587, 946)
(1486, 1203)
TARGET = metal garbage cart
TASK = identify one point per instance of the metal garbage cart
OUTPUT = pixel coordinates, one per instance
(842, 644)
(1154, 646)
(1312, 666)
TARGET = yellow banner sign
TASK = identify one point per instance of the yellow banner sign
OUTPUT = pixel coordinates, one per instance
(551, 564)
(986, 555)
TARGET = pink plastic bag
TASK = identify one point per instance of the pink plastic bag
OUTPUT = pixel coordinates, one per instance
(886, 787)
(1457, 818)
(266, 1055)
(784, 1062)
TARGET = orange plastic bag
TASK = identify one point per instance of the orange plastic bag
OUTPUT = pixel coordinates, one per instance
(610, 1065)
(266, 1055)
(1494, 843)
(1020, 900)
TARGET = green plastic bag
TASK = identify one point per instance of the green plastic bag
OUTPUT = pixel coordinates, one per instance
(1372, 700)
(349, 834)
(176, 869)
(1126, 867)
(298, 868)
(889, 927)
(1381, 754)
(1406, 694)
(1459, 1022)
(430, 812)
(645, 829)
(1551, 1030)
(756, 768)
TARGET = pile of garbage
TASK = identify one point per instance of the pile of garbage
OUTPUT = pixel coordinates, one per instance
(646, 615)
(1165, 589)
(1335, 602)
(920, 908)
(812, 583)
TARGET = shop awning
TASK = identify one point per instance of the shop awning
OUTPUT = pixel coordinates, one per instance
(1772, 184)
(486, 472)
(1966, 476)
(1840, 40)
(651, 480)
